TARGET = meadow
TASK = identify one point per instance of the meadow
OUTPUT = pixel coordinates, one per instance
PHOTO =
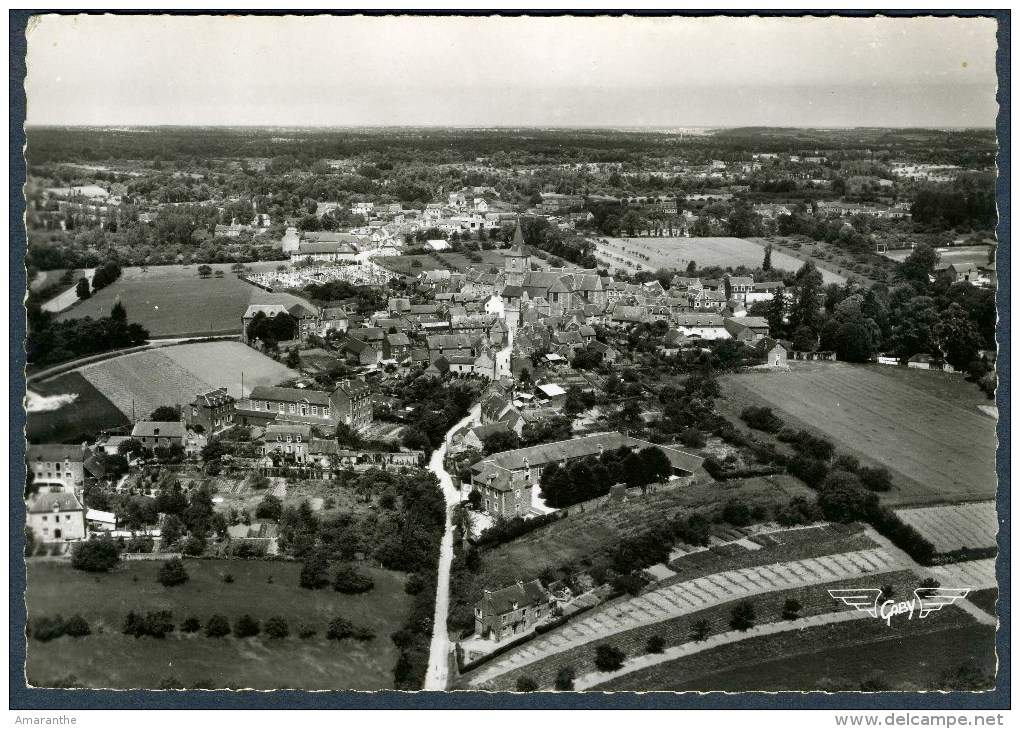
(649, 254)
(955, 527)
(143, 381)
(109, 659)
(175, 301)
(926, 427)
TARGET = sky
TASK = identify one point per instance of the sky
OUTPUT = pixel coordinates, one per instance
(456, 71)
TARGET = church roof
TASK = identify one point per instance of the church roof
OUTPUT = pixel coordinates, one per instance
(517, 249)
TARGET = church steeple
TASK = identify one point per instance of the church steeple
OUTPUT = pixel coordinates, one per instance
(516, 262)
(517, 248)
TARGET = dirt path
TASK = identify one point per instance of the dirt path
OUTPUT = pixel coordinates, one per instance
(437, 677)
(67, 298)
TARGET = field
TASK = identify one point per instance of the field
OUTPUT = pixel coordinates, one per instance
(955, 527)
(75, 422)
(924, 426)
(909, 656)
(975, 255)
(174, 301)
(584, 535)
(648, 254)
(108, 659)
(173, 375)
(448, 260)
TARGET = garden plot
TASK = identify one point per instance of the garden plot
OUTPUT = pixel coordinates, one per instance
(962, 526)
(977, 574)
(688, 597)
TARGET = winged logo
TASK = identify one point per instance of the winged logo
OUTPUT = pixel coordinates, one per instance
(864, 599)
(935, 598)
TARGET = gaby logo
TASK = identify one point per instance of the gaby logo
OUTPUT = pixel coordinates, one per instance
(926, 600)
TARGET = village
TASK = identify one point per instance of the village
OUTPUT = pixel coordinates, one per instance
(549, 368)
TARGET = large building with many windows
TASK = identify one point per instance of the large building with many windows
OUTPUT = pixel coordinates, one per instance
(350, 403)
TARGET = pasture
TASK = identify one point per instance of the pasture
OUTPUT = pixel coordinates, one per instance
(174, 301)
(649, 254)
(143, 381)
(955, 527)
(923, 426)
(109, 659)
(910, 656)
(975, 255)
(80, 420)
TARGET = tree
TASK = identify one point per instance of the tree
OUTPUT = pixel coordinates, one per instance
(502, 441)
(166, 414)
(915, 328)
(526, 684)
(77, 627)
(475, 499)
(217, 627)
(82, 289)
(352, 581)
(608, 658)
(171, 530)
(313, 572)
(565, 679)
(656, 465)
(919, 265)
(205, 271)
(276, 627)
(766, 264)
(95, 555)
(270, 507)
(843, 498)
(805, 309)
(246, 627)
(655, 644)
(172, 572)
(293, 359)
(957, 336)
(775, 314)
(742, 616)
(340, 628)
(791, 608)
(191, 625)
(700, 630)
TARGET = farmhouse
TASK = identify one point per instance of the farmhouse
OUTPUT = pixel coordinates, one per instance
(702, 326)
(212, 410)
(511, 610)
(328, 251)
(927, 362)
(286, 442)
(505, 479)
(64, 464)
(56, 516)
(152, 434)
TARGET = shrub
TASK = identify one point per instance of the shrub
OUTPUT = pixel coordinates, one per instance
(792, 608)
(191, 625)
(798, 511)
(923, 590)
(77, 626)
(565, 679)
(415, 583)
(762, 419)
(306, 631)
(227, 577)
(700, 630)
(875, 479)
(246, 627)
(655, 644)
(95, 555)
(276, 627)
(352, 581)
(742, 616)
(608, 658)
(809, 470)
(340, 628)
(172, 573)
(630, 584)
(217, 627)
(158, 623)
(526, 684)
(736, 513)
(269, 508)
(46, 629)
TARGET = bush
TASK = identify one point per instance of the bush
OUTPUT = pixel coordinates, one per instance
(191, 625)
(246, 627)
(415, 583)
(313, 572)
(655, 644)
(269, 508)
(154, 624)
(227, 577)
(798, 511)
(700, 630)
(276, 627)
(306, 631)
(792, 608)
(95, 555)
(742, 616)
(630, 584)
(46, 629)
(77, 627)
(608, 658)
(736, 513)
(565, 679)
(526, 684)
(172, 573)
(762, 419)
(340, 628)
(809, 470)
(217, 627)
(352, 581)
(875, 479)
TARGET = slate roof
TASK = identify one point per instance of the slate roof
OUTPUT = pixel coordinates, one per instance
(49, 502)
(289, 394)
(156, 429)
(523, 594)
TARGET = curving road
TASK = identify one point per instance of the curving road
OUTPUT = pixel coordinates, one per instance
(439, 654)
